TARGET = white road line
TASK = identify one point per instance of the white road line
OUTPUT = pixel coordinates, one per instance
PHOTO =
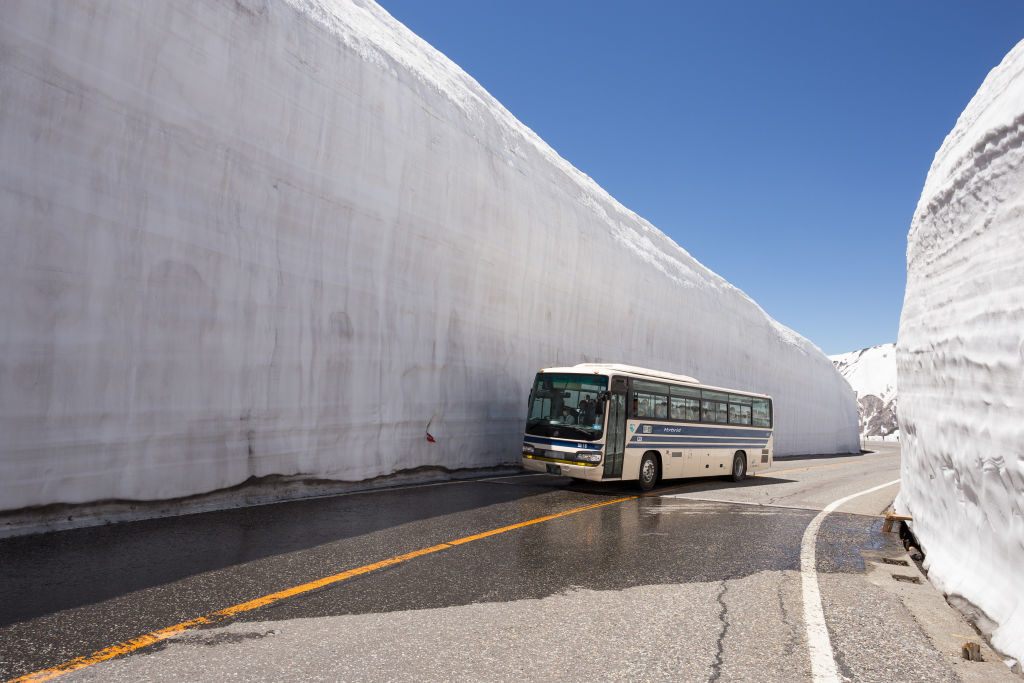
(701, 499)
(823, 662)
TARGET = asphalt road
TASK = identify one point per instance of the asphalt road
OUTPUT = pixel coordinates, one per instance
(699, 581)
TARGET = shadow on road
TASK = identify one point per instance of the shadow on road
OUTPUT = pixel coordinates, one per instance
(47, 573)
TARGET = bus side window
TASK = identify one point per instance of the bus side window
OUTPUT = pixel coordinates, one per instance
(677, 408)
(761, 413)
(714, 406)
(648, 405)
(739, 414)
(645, 407)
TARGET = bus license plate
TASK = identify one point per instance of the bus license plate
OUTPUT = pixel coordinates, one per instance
(554, 469)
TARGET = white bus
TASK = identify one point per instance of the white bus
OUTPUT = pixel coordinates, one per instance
(608, 422)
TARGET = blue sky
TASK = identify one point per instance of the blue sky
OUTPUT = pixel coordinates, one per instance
(783, 144)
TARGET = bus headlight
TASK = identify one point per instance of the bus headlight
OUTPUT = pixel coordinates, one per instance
(588, 456)
(527, 449)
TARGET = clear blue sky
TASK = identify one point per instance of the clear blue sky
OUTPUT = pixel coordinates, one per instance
(783, 144)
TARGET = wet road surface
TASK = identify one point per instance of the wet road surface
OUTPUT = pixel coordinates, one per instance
(699, 581)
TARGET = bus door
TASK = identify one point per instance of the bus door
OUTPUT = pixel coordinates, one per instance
(615, 429)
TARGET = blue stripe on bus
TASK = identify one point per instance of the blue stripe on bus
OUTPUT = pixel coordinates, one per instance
(695, 439)
(697, 444)
(579, 445)
(751, 435)
(717, 444)
(700, 430)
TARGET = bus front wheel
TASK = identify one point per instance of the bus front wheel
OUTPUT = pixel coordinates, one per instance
(739, 467)
(648, 471)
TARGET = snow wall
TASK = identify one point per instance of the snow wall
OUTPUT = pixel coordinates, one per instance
(960, 358)
(284, 236)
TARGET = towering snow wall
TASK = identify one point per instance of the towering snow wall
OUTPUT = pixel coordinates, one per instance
(284, 236)
(960, 358)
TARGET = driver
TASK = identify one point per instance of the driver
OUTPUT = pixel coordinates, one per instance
(588, 410)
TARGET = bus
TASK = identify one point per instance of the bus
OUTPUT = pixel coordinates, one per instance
(612, 422)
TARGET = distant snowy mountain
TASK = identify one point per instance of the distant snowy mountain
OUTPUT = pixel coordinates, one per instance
(872, 374)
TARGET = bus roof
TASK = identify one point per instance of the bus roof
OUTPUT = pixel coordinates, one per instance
(636, 371)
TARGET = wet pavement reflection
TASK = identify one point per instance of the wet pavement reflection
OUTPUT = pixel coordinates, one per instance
(70, 593)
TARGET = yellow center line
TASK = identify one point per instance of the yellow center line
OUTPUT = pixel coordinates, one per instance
(214, 617)
(538, 520)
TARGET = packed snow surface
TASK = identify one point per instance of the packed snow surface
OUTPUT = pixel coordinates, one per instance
(960, 358)
(872, 374)
(870, 371)
(288, 237)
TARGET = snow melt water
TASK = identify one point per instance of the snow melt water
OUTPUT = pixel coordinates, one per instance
(282, 237)
(960, 358)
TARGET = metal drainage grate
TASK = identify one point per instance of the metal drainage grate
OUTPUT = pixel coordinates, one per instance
(902, 563)
(908, 579)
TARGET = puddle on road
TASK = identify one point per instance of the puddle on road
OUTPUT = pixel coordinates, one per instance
(690, 506)
(841, 539)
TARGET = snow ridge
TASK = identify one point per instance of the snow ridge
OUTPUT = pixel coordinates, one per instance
(960, 358)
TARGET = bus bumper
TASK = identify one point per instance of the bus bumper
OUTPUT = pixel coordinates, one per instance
(564, 469)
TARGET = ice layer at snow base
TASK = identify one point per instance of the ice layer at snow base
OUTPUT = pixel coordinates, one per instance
(960, 358)
(268, 237)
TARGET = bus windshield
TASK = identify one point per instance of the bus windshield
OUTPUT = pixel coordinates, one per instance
(567, 406)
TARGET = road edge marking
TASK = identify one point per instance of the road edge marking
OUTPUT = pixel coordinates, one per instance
(819, 644)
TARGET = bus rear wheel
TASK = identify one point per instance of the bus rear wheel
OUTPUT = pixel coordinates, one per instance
(739, 467)
(648, 471)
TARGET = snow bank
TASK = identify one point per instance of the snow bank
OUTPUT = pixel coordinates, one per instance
(960, 358)
(872, 374)
(283, 237)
